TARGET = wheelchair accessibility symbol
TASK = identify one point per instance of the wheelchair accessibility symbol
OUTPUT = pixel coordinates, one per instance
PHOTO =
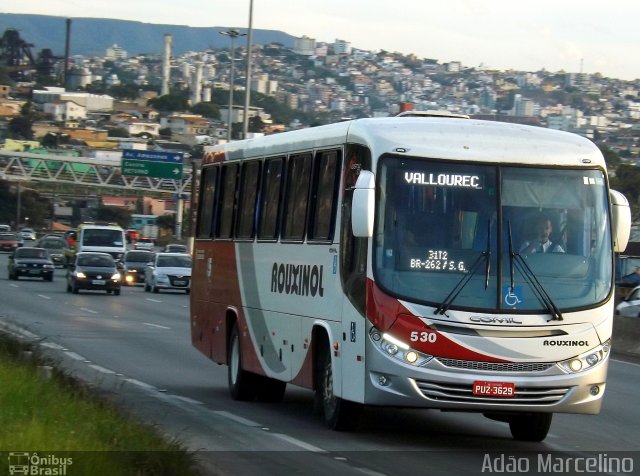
(512, 296)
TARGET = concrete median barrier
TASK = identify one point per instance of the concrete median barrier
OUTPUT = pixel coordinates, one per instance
(626, 335)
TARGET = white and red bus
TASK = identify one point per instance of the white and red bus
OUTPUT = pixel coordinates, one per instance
(390, 262)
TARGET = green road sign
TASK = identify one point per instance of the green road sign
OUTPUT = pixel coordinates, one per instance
(145, 168)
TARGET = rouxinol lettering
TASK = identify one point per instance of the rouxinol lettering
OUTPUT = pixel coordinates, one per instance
(298, 279)
(564, 343)
(443, 180)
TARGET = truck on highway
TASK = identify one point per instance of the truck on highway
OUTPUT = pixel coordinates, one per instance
(106, 238)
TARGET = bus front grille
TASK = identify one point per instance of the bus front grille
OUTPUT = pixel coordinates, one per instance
(496, 366)
(462, 393)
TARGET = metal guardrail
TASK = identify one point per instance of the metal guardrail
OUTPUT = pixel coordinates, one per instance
(24, 166)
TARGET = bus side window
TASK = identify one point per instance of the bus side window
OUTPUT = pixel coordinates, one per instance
(227, 202)
(207, 196)
(326, 178)
(296, 197)
(249, 181)
(269, 203)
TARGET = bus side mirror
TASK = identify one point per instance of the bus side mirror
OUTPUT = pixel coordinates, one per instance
(621, 220)
(363, 205)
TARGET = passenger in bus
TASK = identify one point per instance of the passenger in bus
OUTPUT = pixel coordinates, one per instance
(540, 241)
(633, 277)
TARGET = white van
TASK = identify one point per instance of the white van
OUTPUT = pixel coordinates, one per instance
(104, 238)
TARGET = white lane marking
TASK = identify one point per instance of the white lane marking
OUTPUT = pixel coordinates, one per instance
(236, 418)
(153, 300)
(51, 345)
(88, 310)
(14, 285)
(102, 369)
(299, 443)
(75, 356)
(188, 400)
(156, 325)
(43, 296)
(140, 384)
(625, 362)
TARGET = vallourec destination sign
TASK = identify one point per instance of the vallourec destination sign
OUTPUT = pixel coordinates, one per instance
(152, 163)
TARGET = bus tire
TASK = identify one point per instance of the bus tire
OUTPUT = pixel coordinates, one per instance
(530, 426)
(339, 414)
(242, 384)
(270, 389)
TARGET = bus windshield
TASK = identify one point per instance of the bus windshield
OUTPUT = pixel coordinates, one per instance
(510, 231)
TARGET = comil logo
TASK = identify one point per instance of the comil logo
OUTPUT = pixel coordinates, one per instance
(37, 465)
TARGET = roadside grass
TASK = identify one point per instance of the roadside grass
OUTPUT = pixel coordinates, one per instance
(57, 416)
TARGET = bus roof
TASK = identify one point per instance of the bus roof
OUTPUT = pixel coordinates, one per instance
(434, 137)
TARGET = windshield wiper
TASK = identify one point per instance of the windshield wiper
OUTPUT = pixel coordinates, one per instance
(531, 279)
(457, 289)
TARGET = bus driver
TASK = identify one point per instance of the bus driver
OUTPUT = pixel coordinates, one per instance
(540, 242)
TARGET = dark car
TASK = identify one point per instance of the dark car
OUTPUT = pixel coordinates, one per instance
(31, 262)
(10, 241)
(93, 271)
(135, 261)
(56, 247)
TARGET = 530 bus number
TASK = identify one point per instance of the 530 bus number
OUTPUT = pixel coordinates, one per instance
(430, 337)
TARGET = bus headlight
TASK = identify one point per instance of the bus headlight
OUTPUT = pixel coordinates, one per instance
(398, 350)
(587, 360)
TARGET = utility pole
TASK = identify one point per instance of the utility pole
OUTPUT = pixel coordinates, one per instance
(247, 96)
(18, 208)
(232, 34)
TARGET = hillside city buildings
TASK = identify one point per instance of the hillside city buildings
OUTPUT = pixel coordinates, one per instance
(314, 82)
(328, 82)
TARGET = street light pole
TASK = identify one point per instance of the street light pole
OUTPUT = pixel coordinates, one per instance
(232, 34)
(18, 208)
(247, 96)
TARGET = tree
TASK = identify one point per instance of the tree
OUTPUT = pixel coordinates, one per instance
(118, 132)
(20, 127)
(627, 181)
(256, 124)
(33, 206)
(166, 222)
(125, 91)
(118, 215)
(610, 157)
(207, 109)
(170, 102)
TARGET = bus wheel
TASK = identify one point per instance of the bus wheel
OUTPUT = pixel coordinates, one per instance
(242, 384)
(530, 426)
(339, 414)
(270, 389)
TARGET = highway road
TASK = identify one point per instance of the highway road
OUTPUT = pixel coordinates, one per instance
(135, 348)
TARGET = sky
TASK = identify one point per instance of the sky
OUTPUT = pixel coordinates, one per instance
(568, 35)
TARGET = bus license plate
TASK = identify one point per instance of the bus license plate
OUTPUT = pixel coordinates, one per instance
(494, 389)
